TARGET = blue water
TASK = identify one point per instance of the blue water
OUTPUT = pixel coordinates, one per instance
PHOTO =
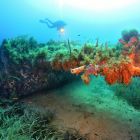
(86, 19)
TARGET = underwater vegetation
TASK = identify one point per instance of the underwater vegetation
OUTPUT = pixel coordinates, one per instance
(20, 121)
(128, 34)
(118, 64)
(28, 66)
(129, 93)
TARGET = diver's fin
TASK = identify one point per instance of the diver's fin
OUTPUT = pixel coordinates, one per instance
(49, 21)
(43, 21)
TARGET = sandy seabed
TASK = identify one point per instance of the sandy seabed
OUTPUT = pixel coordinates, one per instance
(93, 110)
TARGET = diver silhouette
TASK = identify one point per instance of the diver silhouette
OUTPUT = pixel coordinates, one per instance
(59, 24)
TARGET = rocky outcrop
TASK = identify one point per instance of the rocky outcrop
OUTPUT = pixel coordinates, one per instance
(21, 73)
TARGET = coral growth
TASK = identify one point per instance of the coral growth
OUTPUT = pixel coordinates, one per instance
(85, 78)
(117, 66)
(127, 35)
(29, 63)
(78, 70)
(131, 45)
(27, 66)
(121, 73)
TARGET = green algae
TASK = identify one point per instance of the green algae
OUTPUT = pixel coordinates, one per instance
(26, 49)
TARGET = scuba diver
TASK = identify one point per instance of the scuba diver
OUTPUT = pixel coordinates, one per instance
(59, 24)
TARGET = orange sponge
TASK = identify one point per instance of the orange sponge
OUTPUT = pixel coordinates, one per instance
(121, 73)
